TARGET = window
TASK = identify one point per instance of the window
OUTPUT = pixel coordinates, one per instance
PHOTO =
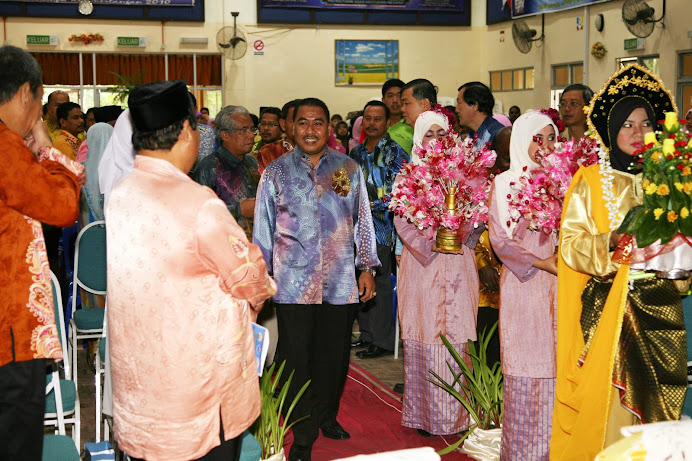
(564, 75)
(684, 93)
(511, 79)
(649, 62)
(96, 85)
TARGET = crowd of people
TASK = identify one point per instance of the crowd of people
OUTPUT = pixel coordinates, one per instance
(211, 221)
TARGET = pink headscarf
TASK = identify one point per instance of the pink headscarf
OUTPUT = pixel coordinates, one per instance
(357, 133)
(333, 143)
(502, 118)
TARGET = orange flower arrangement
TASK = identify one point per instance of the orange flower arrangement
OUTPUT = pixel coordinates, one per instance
(86, 38)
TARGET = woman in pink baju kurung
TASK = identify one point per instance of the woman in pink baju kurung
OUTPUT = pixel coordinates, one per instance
(437, 294)
(528, 289)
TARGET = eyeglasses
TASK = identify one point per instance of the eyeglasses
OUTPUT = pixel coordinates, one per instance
(572, 104)
(244, 130)
(268, 125)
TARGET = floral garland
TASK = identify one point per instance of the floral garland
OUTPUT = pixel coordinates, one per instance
(448, 166)
(539, 194)
(555, 117)
(86, 38)
(598, 50)
(451, 117)
(607, 176)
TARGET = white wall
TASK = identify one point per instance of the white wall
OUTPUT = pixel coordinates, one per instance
(565, 44)
(299, 60)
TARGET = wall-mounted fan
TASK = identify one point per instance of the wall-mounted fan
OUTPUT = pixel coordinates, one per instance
(231, 42)
(638, 17)
(523, 36)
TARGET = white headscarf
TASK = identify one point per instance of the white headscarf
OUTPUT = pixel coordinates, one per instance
(118, 158)
(423, 124)
(523, 131)
(97, 137)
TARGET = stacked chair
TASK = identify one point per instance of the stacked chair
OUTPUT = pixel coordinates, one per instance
(89, 274)
(62, 398)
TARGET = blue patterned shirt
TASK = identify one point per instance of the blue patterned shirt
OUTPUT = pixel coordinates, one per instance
(380, 168)
(307, 223)
(486, 132)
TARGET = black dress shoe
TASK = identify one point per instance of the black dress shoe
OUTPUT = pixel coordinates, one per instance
(360, 343)
(336, 432)
(373, 352)
(425, 433)
(299, 453)
(399, 388)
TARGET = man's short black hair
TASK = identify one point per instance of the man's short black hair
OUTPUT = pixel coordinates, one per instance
(63, 110)
(336, 117)
(16, 68)
(204, 108)
(311, 102)
(378, 104)
(478, 93)
(422, 89)
(271, 110)
(587, 93)
(288, 106)
(255, 120)
(45, 109)
(514, 107)
(391, 83)
(163, 138)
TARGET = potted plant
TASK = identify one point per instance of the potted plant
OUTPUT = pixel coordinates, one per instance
(479, 389)
(126, 84)
(270, 428)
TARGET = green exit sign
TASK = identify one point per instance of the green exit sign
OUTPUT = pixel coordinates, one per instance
(132, 41)
(634, 44)
(41, 39)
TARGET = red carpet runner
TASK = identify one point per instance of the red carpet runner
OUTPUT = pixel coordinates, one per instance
(371, 413)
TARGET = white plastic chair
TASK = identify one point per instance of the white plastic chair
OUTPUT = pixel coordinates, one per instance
(62, 397)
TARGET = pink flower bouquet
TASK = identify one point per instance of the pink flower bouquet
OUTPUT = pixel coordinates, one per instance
(539, 194)
(448, 187)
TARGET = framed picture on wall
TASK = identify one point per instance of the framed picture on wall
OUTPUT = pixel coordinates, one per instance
(365, 62)
(498, 11)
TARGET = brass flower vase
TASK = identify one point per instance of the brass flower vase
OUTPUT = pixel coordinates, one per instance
(447, 239)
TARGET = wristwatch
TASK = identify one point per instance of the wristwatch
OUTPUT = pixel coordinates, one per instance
(370, 271)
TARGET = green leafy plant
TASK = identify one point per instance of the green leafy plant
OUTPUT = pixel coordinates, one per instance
(479, 387)
(270, 428)
(126, 84)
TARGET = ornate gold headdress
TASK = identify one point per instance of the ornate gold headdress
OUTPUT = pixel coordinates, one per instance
(633, 80)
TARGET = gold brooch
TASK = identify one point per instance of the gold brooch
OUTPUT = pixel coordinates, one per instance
(341, 183)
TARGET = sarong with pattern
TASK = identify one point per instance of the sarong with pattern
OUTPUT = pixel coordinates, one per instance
(427, 406)
(527, 418)
(650, 367)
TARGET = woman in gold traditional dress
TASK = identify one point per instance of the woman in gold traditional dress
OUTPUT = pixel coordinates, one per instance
(621, 353)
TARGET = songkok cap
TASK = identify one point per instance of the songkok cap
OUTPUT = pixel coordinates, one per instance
(107, 114)
(631, 81)
(159, 104)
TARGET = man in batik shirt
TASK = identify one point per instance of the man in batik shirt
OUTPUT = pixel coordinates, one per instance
(381, 160)
(312, 210)
(71, 120)
(475, 104)
(230, 171)
(51, 117)
(270, 152)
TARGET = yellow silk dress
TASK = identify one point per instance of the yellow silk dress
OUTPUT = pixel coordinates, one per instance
(590, 362)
